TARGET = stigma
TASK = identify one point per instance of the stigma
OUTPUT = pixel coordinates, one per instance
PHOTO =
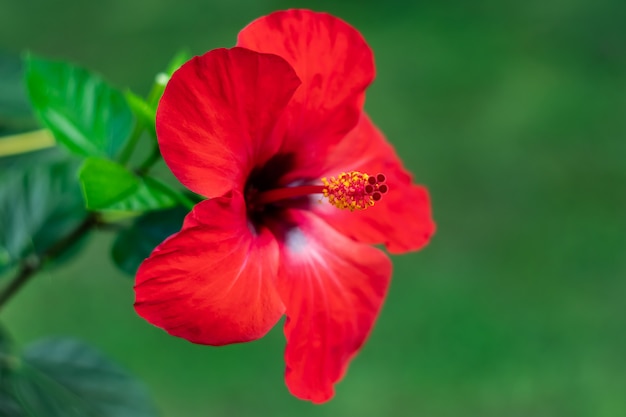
(349, 191)
(354, 190)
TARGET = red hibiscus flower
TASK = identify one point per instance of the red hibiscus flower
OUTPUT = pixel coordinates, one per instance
(266, 130)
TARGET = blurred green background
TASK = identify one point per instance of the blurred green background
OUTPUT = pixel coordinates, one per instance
(512, 113)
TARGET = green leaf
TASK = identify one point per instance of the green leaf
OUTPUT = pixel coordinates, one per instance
(40, 202)
(105, 182)
(108, 186)
(83, 112)
(67, 378)
(40, 397)
(9, 405)
(150, 195)
(136, 243)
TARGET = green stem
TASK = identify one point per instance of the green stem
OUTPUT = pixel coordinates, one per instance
(186, 201)
(152, 159)
(128, 149)
(180, 197)
(152, 99)
(155, 94)
(32, 265)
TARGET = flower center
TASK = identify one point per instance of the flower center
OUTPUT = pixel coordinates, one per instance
(350, 190)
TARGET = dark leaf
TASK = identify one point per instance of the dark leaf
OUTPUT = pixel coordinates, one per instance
(40, 202)
(67, 378)
(38, 396)
(135, 244)
(9, 405)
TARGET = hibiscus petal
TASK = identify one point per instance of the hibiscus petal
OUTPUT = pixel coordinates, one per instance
(213, 282)
(333, 289)
(216, 115)
(402, 220)
(335, 65)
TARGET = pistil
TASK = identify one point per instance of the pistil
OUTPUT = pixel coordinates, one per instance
(353, 191)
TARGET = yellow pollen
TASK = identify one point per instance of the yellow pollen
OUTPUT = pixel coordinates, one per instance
(354, 190)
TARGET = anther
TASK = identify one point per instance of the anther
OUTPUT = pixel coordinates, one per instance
(354, 190)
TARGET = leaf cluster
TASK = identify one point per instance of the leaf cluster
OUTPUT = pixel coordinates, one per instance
(93, 171)
(61, 377)
(97, 129)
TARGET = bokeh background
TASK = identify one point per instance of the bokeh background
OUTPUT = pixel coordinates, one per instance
(512, 113)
